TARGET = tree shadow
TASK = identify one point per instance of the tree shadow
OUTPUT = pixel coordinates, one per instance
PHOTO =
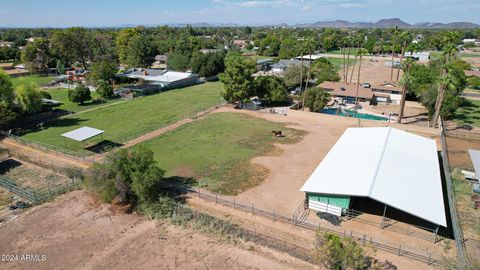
(65, 122)
(332, 219)
(177, 186)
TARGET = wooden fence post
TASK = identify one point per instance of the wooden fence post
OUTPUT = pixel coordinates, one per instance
(400, 250)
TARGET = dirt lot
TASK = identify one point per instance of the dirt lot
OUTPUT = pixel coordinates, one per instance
(373, 72)
(75, 232)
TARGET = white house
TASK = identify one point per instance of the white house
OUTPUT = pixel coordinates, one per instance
(421, 56)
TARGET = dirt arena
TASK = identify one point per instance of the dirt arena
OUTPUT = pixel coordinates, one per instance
(76, 232)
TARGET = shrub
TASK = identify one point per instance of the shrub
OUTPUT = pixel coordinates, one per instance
(80, 94)
(104, 89)
(45, 94)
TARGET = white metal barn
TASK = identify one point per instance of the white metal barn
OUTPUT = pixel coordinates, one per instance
(395, 168)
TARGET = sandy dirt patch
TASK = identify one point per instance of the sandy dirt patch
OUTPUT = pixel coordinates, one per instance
(76, 232)
(372, 72)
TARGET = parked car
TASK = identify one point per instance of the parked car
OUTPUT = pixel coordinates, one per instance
(256, 101)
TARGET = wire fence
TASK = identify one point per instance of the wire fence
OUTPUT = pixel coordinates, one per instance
(398, 250)
(457, 232)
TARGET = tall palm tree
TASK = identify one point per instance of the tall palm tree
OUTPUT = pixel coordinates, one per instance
(310, 46)
(349, 44)
(394, 36)
(450, 50)
(344, 42)
(406, 38)
(360, 53)
(405, 83)
(357, 42)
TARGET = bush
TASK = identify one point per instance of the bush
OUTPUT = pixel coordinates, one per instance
(80, 94)
(98, 100)
(45, 94)
(104, 89)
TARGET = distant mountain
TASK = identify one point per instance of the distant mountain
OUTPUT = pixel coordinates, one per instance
(386, 23)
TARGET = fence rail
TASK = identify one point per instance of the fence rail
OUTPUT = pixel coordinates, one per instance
(464, 135)
(87, 157)
(361, 238)
(47, 147)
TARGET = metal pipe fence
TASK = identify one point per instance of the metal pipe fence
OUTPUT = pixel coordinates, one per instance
(398, 250)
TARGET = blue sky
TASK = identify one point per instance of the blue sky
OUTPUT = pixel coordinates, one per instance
(62, 13)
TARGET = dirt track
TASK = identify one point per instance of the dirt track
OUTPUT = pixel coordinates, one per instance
(75, 232)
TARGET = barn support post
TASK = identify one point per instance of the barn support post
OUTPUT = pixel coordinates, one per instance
(435, 234)
(383, 217)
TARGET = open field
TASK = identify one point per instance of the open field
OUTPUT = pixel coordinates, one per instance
(372, 72)
(61, 94)
(36, 79)
(106, 238)
(131, 118)
(468, 113)
(216, 150)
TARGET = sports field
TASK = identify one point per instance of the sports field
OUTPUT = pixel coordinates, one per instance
(126, 120)
(216, 151)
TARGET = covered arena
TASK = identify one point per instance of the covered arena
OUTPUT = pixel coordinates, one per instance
(381, 171)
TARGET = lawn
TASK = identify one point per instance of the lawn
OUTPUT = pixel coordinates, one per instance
(127, 120)
(216, 150)
(338, 62)
(38, 80)
(61, 94)
(468, 113)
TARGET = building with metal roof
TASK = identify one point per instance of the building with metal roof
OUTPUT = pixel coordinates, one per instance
(393, 167)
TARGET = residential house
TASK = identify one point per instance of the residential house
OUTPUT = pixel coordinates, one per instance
(206, 51)
(283, 65)
(240, 43)
(308, 57)
(154, 80)
(6, 44)
(264, 64)
(385, 93)
(77, 75)
(421, 56)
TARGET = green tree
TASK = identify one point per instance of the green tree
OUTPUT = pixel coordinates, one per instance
(37, 55)
(123, 40)
(128, 176)
(237, 78)
(324, 70)
(80, 94)
(207, 65)
(73, 45)
(140, 51)
(103, 71)
(316, 99)
(60, 67)
(338, 253)
(271, 89)
(104, 89)
(179, 62)
(474, 82)
(7, 116)
(29, 98)
(295, 75)
(7, 94)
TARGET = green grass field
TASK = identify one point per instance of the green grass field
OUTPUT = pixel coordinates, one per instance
(338, 62)
(468, 113)
(38, 80)
(126, 120)
(216, 150)
(61, 94)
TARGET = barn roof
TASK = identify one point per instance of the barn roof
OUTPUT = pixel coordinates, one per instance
(388, 165)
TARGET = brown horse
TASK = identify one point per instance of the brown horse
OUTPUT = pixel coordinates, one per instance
(277, 133)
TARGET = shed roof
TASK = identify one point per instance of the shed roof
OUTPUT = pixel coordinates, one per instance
(82, 134)
(475, 157)
(391, 166)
